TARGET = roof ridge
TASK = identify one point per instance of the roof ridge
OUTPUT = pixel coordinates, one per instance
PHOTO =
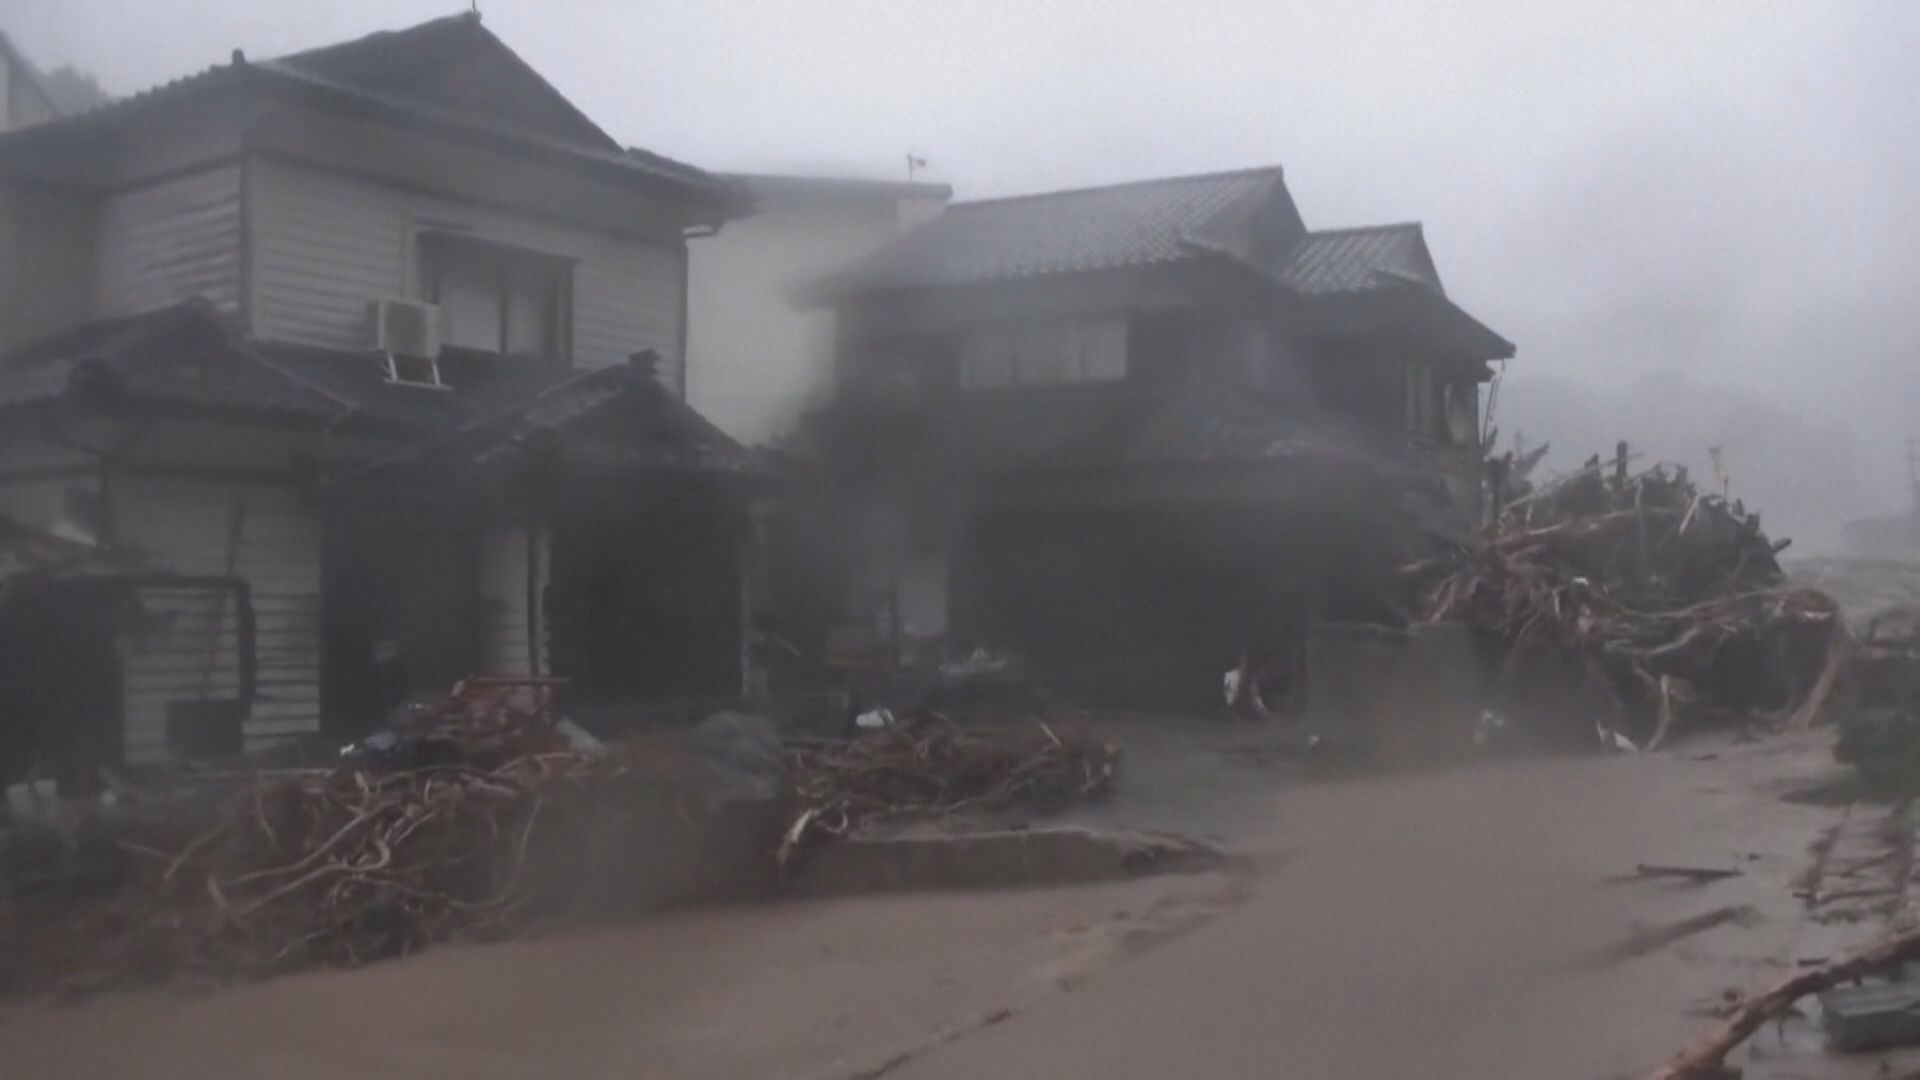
(852, 184)
(1145, 182)
(1384, 227)
(468, 22)
(340, 46)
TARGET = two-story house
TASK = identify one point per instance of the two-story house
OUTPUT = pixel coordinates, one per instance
(1128, 431)
(371, 358)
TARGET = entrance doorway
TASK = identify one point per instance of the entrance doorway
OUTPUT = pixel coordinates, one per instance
(400, 616)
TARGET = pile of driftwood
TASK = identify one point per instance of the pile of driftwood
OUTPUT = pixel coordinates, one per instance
(941, 769)
(475, 819)
(341, 866)
(1666, 600)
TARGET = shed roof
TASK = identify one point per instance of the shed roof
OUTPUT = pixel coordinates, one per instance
(181, 355)
(187, 355)
(1123, 225)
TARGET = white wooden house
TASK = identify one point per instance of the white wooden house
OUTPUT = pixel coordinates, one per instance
(372, 356)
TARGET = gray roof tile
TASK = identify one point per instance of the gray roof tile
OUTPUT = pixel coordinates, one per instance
(1134, 224)
(1358, 260)
(348, 73)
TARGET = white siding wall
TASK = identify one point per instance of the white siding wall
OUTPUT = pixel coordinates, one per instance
(169, 241)
(503, 591)
(46, 263)
(191, 652)
(325, 244)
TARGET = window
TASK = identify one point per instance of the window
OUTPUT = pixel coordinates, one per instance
(496, 299)
(1044, 354)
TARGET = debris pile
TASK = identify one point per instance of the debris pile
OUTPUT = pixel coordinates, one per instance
(480, 815)
(941, 769)
(346, 866)
(1669, 600)
(1706, 1055)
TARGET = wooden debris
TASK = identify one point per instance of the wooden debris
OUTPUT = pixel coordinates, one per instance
(1710, 1050)
(346, 866)
(941, 769)
(1668, 600)
(1691, 873)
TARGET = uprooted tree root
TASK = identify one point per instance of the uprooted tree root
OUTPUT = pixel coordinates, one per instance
(344, 866)
(1669, 600)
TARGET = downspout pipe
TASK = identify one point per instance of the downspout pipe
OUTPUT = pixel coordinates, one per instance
(696, 232)
(535, 624)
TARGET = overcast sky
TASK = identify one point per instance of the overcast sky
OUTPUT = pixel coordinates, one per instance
(1727, 190)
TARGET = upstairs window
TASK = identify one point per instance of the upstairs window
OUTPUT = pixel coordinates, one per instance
(1044, 354)
(496, 299)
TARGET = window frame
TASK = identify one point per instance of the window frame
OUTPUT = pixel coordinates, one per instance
(1042, 354)
(509, 267)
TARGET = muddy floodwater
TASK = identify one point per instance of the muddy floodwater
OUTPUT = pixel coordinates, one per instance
(1480, 921)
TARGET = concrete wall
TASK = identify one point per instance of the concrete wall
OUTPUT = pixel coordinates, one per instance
(324, 244)
(757, 360)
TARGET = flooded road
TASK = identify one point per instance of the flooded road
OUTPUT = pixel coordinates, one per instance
(1455, 924)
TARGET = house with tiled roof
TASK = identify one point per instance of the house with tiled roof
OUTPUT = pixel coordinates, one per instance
(1127, 431)
(372, 357)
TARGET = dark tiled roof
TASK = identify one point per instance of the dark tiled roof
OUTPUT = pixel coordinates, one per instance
(360, 379)
(307, 73)
(181, 355)
(1358, 260)
(617, 417)
(1137, 224)
(187, 355)
(424, 63)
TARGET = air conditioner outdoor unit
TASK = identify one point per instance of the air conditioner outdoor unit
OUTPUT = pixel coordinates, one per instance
(407, 336)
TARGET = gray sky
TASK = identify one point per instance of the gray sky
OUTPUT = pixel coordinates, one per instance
(1727, 190)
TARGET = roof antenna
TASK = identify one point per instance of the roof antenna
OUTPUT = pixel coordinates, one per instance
(473, 8)
(914, 163)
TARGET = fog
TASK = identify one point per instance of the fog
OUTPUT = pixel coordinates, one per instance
(1696, 221)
